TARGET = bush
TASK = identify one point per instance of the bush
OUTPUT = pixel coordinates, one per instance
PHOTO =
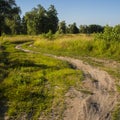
(110, 33)
(48, 35)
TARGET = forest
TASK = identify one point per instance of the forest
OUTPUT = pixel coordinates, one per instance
(39, 21)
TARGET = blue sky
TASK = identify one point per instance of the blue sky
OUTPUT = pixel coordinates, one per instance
(83, 12)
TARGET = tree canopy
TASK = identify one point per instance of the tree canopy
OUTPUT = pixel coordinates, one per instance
(8, 10)
(110, 33)
(93, 28)
(40, 20)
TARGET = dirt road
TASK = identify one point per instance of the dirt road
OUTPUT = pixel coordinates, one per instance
(97, 99)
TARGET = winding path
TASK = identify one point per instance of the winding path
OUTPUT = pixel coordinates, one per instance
(99, 104)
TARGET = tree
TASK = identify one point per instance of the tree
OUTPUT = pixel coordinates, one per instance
(110, 33)
(117, 29)
(72, 28)
(62, 27)
(52, 18)
(31, 22)
(14, 24)
(8, 9)
(95, 28)
(37, 21)
(91, 29)
(42, 23)
(23, 26)
(84, 29)
(40, 20)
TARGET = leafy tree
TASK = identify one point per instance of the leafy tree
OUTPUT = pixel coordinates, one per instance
(37, 20)
(72, 28)
(8, 9)
(62, 27)
(91, 29)
(41, 21)
(110, 33)
(84, 29)
(95, 28)
(23, 26)
(31, 21)
(117, 29)
(52, 18)
(14, 24)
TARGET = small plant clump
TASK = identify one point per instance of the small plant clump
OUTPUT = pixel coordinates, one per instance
(49, 35)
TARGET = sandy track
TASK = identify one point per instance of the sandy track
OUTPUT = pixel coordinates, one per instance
(96, 105)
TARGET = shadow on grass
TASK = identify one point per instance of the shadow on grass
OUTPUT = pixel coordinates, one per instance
(26, 63)
(6, 64)
(3, 74)
(3, 104)
(21, 41)
(3, 62)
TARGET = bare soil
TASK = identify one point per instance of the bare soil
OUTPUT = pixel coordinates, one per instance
(98, 96)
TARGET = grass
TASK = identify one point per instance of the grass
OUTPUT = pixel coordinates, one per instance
(79, 45)
(32, 85)
(83, 47)
(116, 113)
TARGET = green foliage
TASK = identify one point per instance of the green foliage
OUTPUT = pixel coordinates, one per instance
(116, 113)
(14, 25)
(23, 26)
(49, 35)
(52, 19)
(62, 27)
(72, 28)
(110, 33)
(8, 11)
(33, 84)
(91, 29)
(78, 46)
(40, 20)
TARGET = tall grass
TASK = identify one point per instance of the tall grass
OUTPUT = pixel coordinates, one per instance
(80, 45)
(77, 46)
(33, 85)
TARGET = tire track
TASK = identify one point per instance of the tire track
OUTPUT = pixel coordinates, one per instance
(96, 106)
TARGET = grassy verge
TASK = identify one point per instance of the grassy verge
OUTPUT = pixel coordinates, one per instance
(79, 45)
(32, 86)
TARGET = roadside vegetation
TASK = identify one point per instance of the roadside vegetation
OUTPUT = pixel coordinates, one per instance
(32, 85)
(80, 45)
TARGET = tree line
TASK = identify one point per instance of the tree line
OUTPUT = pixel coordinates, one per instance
(38, 21)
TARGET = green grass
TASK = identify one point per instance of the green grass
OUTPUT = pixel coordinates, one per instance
(83, 47)
(116, 113)
(80, 45)
(32, 85)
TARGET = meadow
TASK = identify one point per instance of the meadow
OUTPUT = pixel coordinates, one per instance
(34, 85)
(80, 45)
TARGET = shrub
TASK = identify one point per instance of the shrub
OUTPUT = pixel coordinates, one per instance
(48, 35)
(109, 34)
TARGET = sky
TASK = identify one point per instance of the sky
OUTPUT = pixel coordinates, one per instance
(83, 12)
